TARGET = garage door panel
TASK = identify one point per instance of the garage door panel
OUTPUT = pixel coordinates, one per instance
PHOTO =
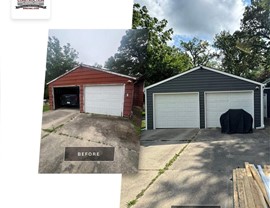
(176, 110)
(104, 99)
(219, 102)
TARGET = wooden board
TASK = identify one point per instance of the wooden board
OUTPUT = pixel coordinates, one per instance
(240, 188)
(248, 187)
(266, 170)
(257, 194)
(235, 192)
(259, 181)
(248, 192)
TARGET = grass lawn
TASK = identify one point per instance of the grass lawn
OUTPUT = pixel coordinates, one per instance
(143, 124)
(46, 107)
(143, 120)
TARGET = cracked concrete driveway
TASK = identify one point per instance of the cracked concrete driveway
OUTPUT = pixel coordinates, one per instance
(200, 172)
(69, 128)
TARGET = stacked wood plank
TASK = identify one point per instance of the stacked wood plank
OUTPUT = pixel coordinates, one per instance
(249, 188)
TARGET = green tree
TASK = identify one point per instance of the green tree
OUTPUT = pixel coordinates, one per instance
(235, 60)
(147, 53)
(199, 51)
(247, 52)
(98, 65)
(256, 26)
(131, 56)
(162, 60)
(59, 60)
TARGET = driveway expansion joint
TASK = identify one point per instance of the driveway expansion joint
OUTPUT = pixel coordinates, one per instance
(149, 169)
(97, 142)
(161, 171)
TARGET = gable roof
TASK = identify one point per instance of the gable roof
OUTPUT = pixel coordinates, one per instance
(207, 68)
(95, 68)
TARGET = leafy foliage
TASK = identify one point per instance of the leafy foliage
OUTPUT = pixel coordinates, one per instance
(59, 60)
(163, 61)
(132, 54)
(247, 52)
(148, 55)
(256, 26)
(235, 60)
(199, 51)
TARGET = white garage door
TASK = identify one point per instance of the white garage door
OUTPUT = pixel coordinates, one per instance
(219, 102)
(176, 110)
(104, 99)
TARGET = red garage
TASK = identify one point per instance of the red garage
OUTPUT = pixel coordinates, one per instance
(97, 91)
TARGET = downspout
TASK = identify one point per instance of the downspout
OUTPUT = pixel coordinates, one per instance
(262, 109)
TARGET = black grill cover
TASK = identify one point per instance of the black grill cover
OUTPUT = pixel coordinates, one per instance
(236, 121)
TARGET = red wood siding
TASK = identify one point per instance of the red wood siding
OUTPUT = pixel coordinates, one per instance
(129, 88)
(86, 76)
(138, 99)
(51, 97)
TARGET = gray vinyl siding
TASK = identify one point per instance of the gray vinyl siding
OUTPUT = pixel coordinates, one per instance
(267, 91)
(203, 80)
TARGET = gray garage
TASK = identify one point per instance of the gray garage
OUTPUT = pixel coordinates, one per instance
(197, 98)
(266, 98)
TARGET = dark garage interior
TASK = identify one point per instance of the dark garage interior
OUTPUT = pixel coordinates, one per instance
(60, 91)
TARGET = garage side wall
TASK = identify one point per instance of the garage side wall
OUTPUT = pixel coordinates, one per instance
(138, 94)
(201, 81)
(129, 91)
(83, 76)
(267, 91)
(51, 97)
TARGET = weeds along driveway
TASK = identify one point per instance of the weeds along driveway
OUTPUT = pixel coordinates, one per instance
(199, 173)
(86, 130)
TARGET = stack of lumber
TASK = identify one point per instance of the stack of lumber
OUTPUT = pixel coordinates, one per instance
(251, 186)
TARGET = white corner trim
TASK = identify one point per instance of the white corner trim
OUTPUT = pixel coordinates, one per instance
(262, 109)
(145, 109)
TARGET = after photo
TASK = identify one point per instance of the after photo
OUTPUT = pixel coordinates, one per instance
(206, 140)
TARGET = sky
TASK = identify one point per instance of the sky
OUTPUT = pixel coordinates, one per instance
(93, 45)
(188, 18)
(197, 18)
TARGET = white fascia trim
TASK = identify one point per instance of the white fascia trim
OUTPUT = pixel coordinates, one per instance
(207, 68)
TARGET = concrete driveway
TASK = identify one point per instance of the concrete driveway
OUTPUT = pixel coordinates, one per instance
(69, 128)
(191, 167)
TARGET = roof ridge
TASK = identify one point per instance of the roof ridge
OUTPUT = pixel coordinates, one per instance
(95, 68)
(206, 68)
